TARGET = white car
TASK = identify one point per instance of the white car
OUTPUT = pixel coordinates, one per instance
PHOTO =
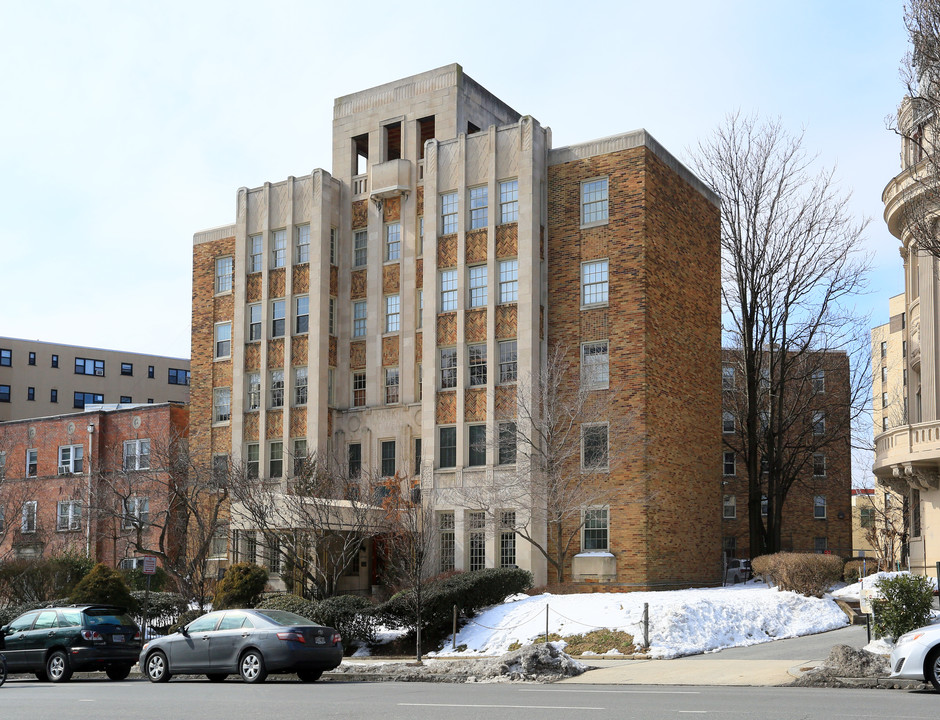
(916, 656)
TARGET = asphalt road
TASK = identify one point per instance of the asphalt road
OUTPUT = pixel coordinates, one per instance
(287, 699)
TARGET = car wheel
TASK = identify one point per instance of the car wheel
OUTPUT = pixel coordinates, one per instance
(251, 667)
(156, 667)
(309, 675)
(216, 677)
(118, 672)
(3, 670)
(932, 668)
(57, 667)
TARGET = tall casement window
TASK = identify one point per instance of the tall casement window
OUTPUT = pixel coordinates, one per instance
(255, 253)
(819, 507)
(476, 540)
(595, 365)
(507, 443)
(478, 286)
(419, 321)
(360, 248)
(448, 368)
(819, 423)
(331, 319)
(303, 244)
(391, 386)
(594, 446)
(594, 282)
(818, 380)
(447, 437)
(28, 520)
(729, 507)
(224, 268)
(360, 314)
(417, 457)
(478, 207)
(595, 532)
(223, 340)
(354, 456)
(68, 516)
(445, 526)
(302, 314)
(728, 465)
(508, 281)
(359, 389)
(420, 236)
(477, 361)
(253, 460)
(727, 378)
(448, 213)
(508, 361)
(332, 246)
(275, 459)
(221, 404)
(727, 422)
(507, 539)
(388, 458)
(300, 386)
(448, 290)
(330, 385)
(254, 323)
(392, 313)
(277, 319)
(476, 440)
(509, 201)
(136, 455)
(419, 381)
(276, 388)
(254, 390)
(393, 241)
(819, 464)
(279, 249)
(594, 202)
(70, 459)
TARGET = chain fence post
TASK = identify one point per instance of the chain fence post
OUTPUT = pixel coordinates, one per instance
(646, 625)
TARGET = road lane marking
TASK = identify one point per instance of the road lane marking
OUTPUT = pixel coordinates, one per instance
(509, 707)
(628, 692)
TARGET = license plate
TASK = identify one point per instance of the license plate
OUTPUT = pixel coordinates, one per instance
(319, 641)
(117, 638)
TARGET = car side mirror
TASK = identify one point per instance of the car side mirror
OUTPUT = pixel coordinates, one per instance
(184, 631)
(5, 630)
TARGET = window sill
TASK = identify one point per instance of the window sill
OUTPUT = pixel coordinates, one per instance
(221, 423)
(595, 306)
(226, 358)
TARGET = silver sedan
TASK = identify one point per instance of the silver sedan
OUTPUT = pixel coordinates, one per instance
(251, 643)
(916, 655)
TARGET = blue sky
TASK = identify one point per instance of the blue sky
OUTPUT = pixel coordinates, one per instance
(129, 126)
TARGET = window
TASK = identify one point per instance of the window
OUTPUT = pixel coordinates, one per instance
(332, 246)
(393, 241)
(884, 349)
(594, 533)
(420, 236)
(884, 424)
(359, 318)
(391, 386)
(331, 317)
(32, 358)
(448, 446)
(594, 202)
(136, 513)
(300, 386)
(330, 395)
(916, 529)
(252, 460)
(360, 248)
(477, 361)
(299, 456)
(448, 368)
(727, 378)
(818, 381)
(417, 457)
(303, 244)
(594, 282)
(254, 323)
(55, 361)
(866, 517)
(764, 504)
(884, 400)
(302, 312)
(508, 281)
(594, 446)
(126, 368)
(448, 213)
(819, 464)
(224, 268)
(359, 389)
(254, 391)
(355, 460)
(477, 443)
(219, 547)
(476, 536)
(820, 545)
(819, 423)
(507, 443)
(28, 521)
(150, 371)
(445, 524)
(6, 357)
(221, 404)
(420, 314)
(277, 319)
(595, 365)
(279, 249)
(729, 463)
(478, 207)
(729, 507)
(904, 348)
(80, 399)
(507, 361)
(509, 201)
(30, 393)
(255, 253)
(819, 507)
(5, 393)
(86, 366)
(70, 459)
(54, 396)
(3, 468)
(176, 376)
(220, 469)
(388, 458)
(727, 422)
(448, 290)
(126, 399)
(276, 459)
(478, 286)
(136, 455)
(507, 539)
(277, 388)
(223, 340)
(68, 516)
(392, 313)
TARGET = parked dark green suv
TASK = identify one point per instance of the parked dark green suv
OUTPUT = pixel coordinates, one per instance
(55, 642)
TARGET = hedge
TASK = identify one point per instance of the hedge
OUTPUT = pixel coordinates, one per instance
(809, 574)
(351, 615)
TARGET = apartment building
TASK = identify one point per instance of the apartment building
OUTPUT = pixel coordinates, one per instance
(395, 313)
(38, 379)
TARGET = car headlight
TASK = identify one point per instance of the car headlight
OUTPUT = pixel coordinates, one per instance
(909, 637)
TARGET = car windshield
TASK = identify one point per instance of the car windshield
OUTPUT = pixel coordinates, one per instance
(107, 616)
(282, 617)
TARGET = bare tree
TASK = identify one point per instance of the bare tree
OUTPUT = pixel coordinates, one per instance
(883, 524)
(792, 265)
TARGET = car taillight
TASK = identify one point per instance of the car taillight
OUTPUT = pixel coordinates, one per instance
(137, 635)
(93, 635)
(337, 639)
(295, 636)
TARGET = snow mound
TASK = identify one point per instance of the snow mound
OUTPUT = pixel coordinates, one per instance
(845, 661)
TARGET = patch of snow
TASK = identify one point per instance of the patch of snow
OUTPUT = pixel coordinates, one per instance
(879, 646)
(595, 553)
(853, 591)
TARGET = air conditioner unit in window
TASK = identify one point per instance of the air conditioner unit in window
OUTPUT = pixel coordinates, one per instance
(99, 372)
(64, 470)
